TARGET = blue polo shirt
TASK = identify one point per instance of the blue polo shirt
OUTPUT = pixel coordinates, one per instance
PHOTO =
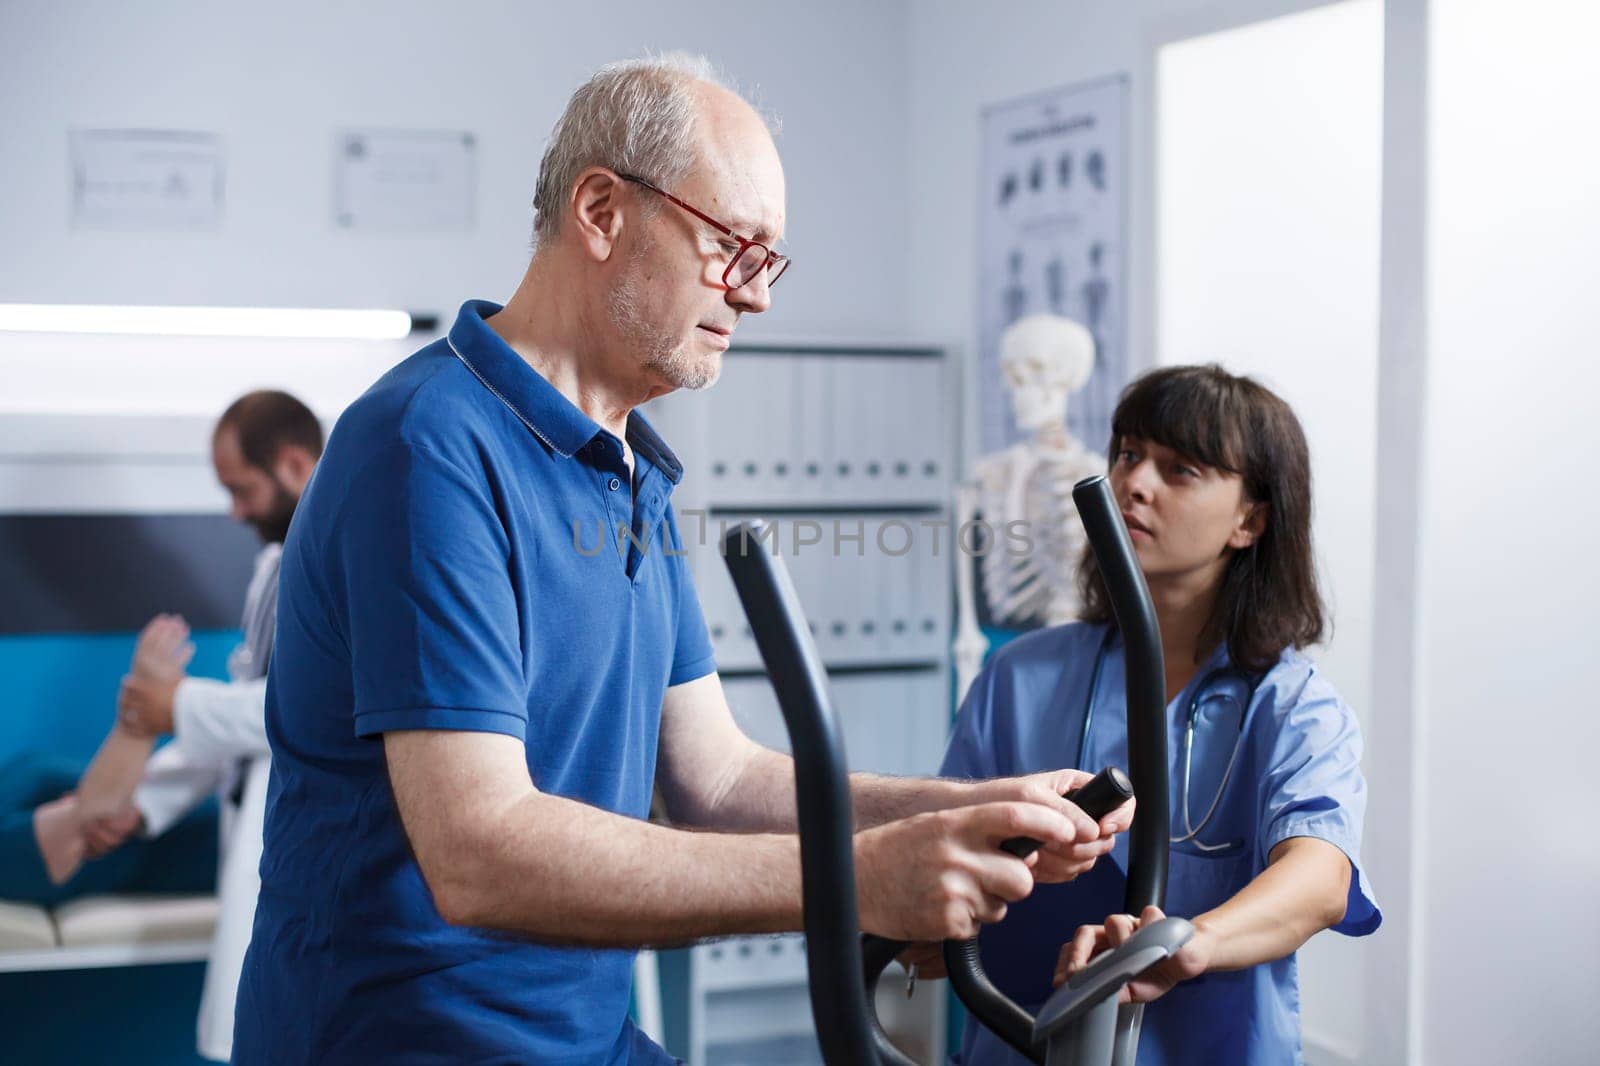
(445, 570)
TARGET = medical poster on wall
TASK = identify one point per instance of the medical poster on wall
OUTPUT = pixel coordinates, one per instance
(1053, 238)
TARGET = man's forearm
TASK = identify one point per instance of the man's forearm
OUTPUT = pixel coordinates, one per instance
(762, 798)
(876, 799)
(496, 852)
(174, 782)
(564, 872)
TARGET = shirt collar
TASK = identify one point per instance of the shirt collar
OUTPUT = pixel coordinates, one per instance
(647, 443)
(539, 405)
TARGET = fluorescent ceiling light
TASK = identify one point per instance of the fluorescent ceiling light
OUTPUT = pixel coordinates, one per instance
(210, 321)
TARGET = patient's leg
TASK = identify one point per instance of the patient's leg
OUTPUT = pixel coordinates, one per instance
(183, 859)
(59, 834)
(35, 816)
(61, 826)
(108, 783)
(162, 652)
(57, 824)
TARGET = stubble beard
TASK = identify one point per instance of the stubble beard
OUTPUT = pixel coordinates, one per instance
(274, 528)
(669, 359)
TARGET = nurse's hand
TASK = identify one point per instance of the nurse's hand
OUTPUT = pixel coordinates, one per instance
(1192, 959)
(1062, 862)
(941, 875)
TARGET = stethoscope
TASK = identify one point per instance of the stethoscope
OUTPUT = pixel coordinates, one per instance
(1202, 694)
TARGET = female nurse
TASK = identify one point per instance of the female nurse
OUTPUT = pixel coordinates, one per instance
(1213, 478)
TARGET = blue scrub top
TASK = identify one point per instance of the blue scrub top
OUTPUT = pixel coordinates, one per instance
(1298, 774)
(443, 572)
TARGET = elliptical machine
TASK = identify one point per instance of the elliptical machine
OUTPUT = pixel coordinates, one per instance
(1082, 1023)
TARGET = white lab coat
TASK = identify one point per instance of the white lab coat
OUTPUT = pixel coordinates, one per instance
(219, 746)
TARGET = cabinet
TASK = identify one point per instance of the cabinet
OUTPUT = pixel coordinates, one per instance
(847, 453)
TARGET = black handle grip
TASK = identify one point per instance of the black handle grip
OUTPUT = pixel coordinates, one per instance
(1000, 1015)
(1098, 797)
(1145, 670)
(847, 1032)
(1147, 751)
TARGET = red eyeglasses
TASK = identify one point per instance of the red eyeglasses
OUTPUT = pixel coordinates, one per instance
(752, 257)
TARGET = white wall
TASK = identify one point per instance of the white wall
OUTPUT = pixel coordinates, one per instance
(277, 81)
(964, 56)
(1268, 255)
(1394, 973)
(1267, 261)
(1511, 961)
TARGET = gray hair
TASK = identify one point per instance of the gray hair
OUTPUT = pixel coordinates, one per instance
(637, 116)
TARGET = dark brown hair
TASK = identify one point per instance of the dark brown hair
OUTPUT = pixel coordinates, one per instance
(266, 421)
(1269, 598)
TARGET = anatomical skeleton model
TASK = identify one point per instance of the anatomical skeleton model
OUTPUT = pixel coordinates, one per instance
(1029, 569)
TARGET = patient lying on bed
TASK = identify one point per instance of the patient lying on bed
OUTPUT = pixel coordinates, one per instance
(63, 835)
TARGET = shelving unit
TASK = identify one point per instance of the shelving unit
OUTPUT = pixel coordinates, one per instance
(847, 452)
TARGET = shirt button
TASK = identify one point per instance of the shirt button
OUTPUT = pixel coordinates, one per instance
(615, 485)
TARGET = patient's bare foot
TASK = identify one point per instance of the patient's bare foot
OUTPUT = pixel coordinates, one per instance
(59, 835)
(163, 649)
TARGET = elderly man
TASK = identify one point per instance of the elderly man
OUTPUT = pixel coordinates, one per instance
(467, 715)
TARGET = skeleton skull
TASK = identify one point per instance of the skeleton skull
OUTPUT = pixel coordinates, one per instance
(1044, 358)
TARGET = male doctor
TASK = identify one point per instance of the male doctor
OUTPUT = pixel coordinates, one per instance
(264, 449)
